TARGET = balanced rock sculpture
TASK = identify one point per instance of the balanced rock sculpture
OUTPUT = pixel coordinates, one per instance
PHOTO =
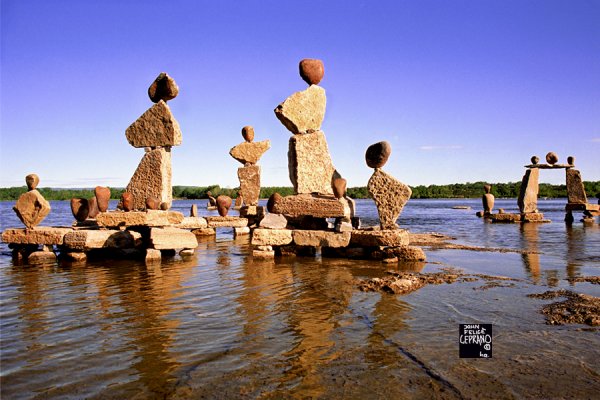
(551, 158)
(156, 131)
(223, 205)
(390, 194)
(248, 153)
(488, 200)
(80, 209)
(32, 207)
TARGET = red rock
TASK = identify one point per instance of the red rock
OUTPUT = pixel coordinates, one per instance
(535, 159)
(102, 197)
(312, 70)
(164, 206)
(377, 154)
(80, 209)
(571, 160)
(275, 197)
(163, 88)
(127, 201)
(32, 181)
(152, 203)
(223, 204)
(339, 187)
(93, 208)
(248, 133)
(552, 158)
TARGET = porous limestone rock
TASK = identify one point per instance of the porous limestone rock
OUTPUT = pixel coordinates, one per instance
(321, 238)
(163, 88)
(309, 164)
(303, 111)
(226, 222)
(114, 219)
(273, 221)
(250, 184)
(311, 205)
(153, 256)
(156, 127)
(204, 232)
(528, 193)
(172, 238)
(192, 223)
(271, 237)
(575, 189)
(31, 208)
(98, 239)
(250, 152)
(392, 237)
(44, 235)
(263, 254)
(152, 178)
(390, 196)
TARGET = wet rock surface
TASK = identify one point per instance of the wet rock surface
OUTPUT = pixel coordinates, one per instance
(576, 309)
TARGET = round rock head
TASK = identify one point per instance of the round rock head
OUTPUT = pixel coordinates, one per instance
(551, 158)
(487, 188)
(248, 133)
(571, 160)
(312, 70)
(223, 205)
(377, 154)
(163, 88)
(32, 181)
(535, 159)
(339, 187)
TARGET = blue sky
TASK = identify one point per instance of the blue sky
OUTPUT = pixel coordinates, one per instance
(463, 90)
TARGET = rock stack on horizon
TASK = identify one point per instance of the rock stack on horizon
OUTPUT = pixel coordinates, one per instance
(156, 130)
(31, 206)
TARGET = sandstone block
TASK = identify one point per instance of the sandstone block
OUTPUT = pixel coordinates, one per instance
(575, 189)
(263, 254)
(309, 205)
(506, 217)
(226, 222)
(303, 111)
(163, 88)
(172, 238)
(309, 164)
(192, 223)
(273, 221)
(156, 127)
(339, 187)
(75, 256)
(250, 152)
(528, 193)
(98, 239)
(194, 210)
(321, 238)
(204, 232)
(152, 178)
(391, 237)
(250, 184)
(41, 257)
(112, 219)
(390, 196)
(39, 235)
(32, 208)
(271, 237)
(252, 211)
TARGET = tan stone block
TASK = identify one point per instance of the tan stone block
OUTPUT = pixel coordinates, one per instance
(204, 232)
(153, 256)
(252, 211)
(271, 237)
(32, 208)
(174, 217)
(273, 221)
(263, 254)
(532, 217)
(321, 238)
(172, 238)
(309, 164)
(303, 111)
(250, 184)
(41, 257)
(528, 193)
(39, 235)
(241, 231)
(250, 152)
(192, 223)
(114, 219)
(152, 178)
(311, 205)
(505, 217)
(391, 237)
(226, 222)
(575, 189)
(390, 196)
(98, 239)
(155, 127)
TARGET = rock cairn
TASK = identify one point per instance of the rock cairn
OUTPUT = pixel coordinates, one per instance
(32, 207)
(487, 199)
(156, 130)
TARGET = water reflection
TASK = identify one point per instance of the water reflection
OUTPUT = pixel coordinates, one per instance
(530, 242)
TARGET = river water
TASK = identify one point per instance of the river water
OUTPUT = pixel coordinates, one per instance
(223, 325)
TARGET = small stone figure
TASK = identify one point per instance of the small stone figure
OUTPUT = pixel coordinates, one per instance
(535, 160)
(80, 209)
(571, 160)
(223, 205)
(551, 158)
(194, 211)
(488, 200)
(31, 207)
(248, 153)
(390, 194)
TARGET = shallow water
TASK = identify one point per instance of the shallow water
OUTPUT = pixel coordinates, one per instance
(222, 325)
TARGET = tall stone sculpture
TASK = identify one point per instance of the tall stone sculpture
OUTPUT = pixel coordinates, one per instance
(32, 207)
(248, 153)
(487, 200)
(156, 131)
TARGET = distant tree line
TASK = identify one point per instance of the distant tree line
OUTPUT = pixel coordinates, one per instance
(457, 190)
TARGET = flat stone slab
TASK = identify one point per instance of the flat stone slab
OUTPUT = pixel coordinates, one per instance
(99, 239)
(510, 218)
(549, 166)
(249, 152)
(192, 223)
(113, 219)
(387, 237)
(321, 238)
(39, 235)
(319, 206)
(172, 238)
(271, 237)
(226, 222)
(582, 207)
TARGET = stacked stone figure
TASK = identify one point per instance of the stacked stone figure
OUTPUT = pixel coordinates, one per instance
(32, 207)
(487, 200)
(248, 153)
(156, 131)
(390, 194)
